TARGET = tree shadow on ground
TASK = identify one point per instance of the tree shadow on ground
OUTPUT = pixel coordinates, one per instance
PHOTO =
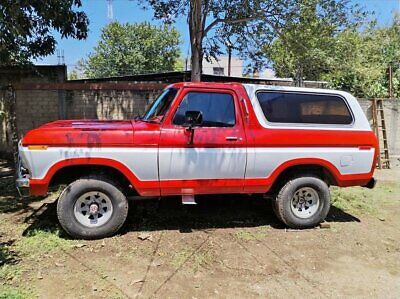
(7, 255)
(211, 212)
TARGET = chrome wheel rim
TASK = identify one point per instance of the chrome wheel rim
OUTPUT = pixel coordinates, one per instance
(305, 202)
(93, 209)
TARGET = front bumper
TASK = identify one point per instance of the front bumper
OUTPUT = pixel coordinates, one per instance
(22, 181)
(23, 186)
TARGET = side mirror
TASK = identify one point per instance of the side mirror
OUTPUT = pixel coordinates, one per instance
(193, 119)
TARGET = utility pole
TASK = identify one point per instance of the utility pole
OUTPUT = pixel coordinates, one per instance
(110, 14)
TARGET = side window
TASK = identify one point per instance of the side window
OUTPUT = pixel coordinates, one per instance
(304, 108)
(218, 109)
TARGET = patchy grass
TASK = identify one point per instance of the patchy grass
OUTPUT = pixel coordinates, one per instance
(352, 200)
(38, 242)
(358, 200)
(247, 236)
(195, 261)
(8, 292)
(10, 272)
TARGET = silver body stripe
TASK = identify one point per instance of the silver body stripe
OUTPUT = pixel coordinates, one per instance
(201, 163)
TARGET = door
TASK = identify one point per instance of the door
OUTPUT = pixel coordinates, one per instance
(215, 162)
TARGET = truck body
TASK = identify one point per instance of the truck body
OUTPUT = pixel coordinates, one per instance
(210, 138)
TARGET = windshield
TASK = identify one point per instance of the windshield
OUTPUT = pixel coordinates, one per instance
(160, 106)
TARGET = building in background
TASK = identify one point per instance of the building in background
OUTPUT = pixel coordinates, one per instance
(219, 67)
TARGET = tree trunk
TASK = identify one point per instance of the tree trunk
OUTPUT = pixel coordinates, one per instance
(298, 79)
(12, 121)
(196, 30)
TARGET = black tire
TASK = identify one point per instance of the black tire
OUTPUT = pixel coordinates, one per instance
(284, 198)
(70, 195)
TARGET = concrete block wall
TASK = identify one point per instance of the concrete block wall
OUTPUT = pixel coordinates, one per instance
(33, 108)
(392, 118)
(108, 104)
(36, 107)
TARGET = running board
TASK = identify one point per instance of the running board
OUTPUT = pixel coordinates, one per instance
(188, 200)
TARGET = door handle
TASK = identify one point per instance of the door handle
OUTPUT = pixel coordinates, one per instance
(231, 138)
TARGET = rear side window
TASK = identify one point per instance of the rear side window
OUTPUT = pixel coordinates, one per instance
(304, 108)
(218, 109)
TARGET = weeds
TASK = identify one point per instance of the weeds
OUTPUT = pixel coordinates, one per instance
(10, 272)
(195, 261)
(8, 292)
(38, 242)
(358, 200)
(247, 236)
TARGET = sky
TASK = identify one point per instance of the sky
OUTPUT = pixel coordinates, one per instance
(129, 11)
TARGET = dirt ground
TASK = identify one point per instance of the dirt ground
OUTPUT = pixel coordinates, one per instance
(225, 247)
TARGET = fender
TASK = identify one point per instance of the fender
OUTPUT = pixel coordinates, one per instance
(263, 185)
(144, 188)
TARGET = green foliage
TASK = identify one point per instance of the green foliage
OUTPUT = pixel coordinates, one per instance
(40, 241)
(10, 272)
(306, 45)
(27, 27)
(8, 292)
(335, 50)
(212, 23)
(126, 49)
(73, 75)
(363, 58)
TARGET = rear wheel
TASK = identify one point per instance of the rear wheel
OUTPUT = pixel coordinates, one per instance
(303, 202)
(92, 208)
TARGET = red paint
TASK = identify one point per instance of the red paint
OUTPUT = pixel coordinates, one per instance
(95, 133)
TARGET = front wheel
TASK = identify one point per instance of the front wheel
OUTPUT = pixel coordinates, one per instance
(92, 208)
(303, 202)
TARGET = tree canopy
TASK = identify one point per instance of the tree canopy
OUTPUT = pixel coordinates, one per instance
(27, 27)
(126, 49)
(352, 56)
(305, 48)
(362, 60)
(212, 23)
(248, 25)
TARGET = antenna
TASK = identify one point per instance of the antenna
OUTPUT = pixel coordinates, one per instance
(60, 57)
(110, 14)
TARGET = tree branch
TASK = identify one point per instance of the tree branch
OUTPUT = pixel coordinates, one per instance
(228, 21)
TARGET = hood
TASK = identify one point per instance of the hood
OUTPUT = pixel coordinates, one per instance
(81, 133)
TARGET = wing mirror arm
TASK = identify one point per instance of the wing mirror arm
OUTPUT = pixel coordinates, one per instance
(193, 119)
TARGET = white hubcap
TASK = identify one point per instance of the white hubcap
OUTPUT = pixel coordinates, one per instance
(93, 209)
(305, 202)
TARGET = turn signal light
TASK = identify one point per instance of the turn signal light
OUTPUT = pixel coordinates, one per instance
(37, 147)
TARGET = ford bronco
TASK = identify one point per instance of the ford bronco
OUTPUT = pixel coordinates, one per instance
(204, 138)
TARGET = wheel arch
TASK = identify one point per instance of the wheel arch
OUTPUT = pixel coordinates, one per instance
(323, 169)
(66, 171)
